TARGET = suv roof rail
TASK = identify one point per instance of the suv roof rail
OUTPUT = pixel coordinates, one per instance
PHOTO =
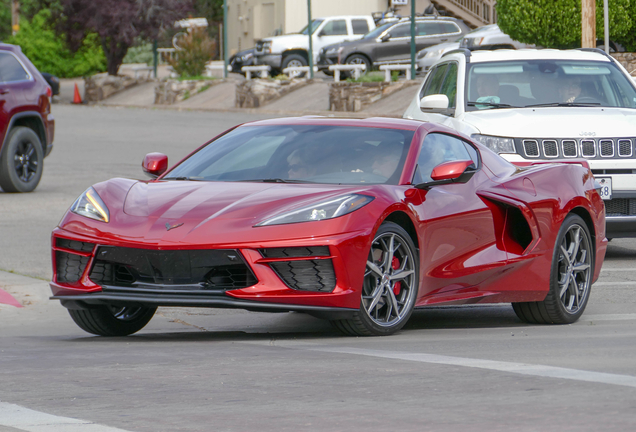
(598, 51)
(464, 51)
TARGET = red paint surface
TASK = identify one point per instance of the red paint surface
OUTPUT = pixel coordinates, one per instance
(6, 298)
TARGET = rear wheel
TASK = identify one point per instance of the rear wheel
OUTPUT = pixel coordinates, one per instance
(112, 320)
(570, 277)
(21, 163)
(358, 59)
(390, 285)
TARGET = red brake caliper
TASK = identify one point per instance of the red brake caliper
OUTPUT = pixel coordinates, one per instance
(395, 264)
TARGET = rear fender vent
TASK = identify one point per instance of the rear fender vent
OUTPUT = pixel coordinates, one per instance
(512, 231)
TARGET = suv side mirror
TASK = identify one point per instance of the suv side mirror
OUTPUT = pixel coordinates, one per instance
(155, 164)
(436, 102)
(386, 37)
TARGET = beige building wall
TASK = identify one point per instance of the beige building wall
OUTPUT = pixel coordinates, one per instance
(296, 10)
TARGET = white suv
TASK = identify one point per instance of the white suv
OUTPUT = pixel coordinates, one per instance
(543, 105)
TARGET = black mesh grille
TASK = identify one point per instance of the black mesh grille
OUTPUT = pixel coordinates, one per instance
(74, 245)
(69, 267)
(569, 148)
(550, 148)
(294, 252)
(588, 148)
(620, 207)
(531, 148)
(607, 148)
(307, 275)
(182, 269)
(624, 148)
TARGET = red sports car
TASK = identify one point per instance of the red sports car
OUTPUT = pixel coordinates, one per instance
(355, 221)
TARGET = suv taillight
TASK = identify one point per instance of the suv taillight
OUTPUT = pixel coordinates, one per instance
(49, 92)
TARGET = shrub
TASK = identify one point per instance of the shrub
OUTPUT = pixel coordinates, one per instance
(141, 53)
(196, 50)
(374, 77)
(50, 53)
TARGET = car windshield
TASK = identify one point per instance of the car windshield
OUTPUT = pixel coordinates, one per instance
(376, 32)
(314, 26)
(531, 83)
(300, 154)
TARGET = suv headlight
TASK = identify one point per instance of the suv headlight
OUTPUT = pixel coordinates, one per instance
(496, 144)
(329, 209)
(267, 47)
(90, 205)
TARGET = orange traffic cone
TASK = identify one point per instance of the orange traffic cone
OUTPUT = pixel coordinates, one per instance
(77, 99)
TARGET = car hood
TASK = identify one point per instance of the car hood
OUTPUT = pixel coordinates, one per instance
(288, 41)
(188, 212)
(555, 122)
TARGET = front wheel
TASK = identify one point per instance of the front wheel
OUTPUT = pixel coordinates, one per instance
(294, 60)
(390, 285)
(112, 320)
(570, 277)
(358, 59)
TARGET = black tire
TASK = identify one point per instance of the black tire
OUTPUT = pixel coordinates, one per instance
(294, 60)
(572, 261)
(112, 320)
(385, 287)
(358, 59)
(21, 164)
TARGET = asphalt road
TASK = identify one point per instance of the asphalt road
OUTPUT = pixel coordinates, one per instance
(474, 368)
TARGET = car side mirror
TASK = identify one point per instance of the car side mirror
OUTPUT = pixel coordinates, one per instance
(155, 164)
(436, 102)
(457, 171)
(386, 37)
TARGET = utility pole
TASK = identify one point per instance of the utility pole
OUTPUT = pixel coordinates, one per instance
(606, 25)
(311, 45)
(588, 24)
(15, 16)
(412, 39)
(224, 35)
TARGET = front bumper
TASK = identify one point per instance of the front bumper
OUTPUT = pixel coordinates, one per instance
(272, 60)
(278, 283)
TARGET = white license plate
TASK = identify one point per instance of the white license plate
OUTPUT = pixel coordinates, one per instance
(606, 187)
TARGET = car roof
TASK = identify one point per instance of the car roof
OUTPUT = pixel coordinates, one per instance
(379, 122)
(479, 56)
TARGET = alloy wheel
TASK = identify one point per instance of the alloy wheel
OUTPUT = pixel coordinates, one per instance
(574, 269)
(26, 161)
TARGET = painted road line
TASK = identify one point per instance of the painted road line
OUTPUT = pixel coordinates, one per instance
(624, 283)
(7, 298)
(500, 366)
(609, 269)
(608, 317)
(25, 419)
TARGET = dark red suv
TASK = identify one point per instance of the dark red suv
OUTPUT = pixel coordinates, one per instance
(27, 126)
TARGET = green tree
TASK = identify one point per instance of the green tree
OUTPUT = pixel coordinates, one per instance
(557, 23)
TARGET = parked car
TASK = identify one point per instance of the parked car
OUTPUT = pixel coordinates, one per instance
(543, 105)
(27, 126)
(429, 56)
(53, 82)
(391, 43)
(291, 50)
(240, 59)
(355, 221)
(490, 37)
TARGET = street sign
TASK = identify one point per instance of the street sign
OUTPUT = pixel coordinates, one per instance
(399, 2)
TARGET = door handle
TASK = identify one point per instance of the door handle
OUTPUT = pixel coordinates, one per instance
(4, 91)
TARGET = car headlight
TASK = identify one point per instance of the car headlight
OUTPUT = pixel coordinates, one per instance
(434, 53)
(331, 51)
(329, 209)
(90, 205)
(496, 144)
(247, 56)
(267, 47)
(422, 54)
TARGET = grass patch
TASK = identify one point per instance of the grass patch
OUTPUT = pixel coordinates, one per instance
(196, 78)
(374, 77)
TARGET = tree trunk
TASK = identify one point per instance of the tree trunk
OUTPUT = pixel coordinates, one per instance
(115, 53)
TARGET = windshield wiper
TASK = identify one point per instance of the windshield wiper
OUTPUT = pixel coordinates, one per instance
(276, 180)
(184, 178)
(491, 104)
(565, 104)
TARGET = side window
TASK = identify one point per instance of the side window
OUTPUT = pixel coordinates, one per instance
(448, 27)
(402, 30)
(434, 82)
(449, 87)
(360, 26)
(335, 28)
(428, 29)
(11, 69)
(438, 148)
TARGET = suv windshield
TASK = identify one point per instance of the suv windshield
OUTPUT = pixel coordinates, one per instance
(300, 154)
(314, 26)
(526, 83)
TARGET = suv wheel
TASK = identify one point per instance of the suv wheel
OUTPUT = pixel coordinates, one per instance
(359, 59)
(21, 162)
(294, 60)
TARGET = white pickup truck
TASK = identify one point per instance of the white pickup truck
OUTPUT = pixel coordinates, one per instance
(291, 50)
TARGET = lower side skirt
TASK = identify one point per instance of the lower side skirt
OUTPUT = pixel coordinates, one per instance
(88, 301)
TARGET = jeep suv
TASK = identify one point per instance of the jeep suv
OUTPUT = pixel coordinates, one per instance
(27, 126)
(538, 106)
